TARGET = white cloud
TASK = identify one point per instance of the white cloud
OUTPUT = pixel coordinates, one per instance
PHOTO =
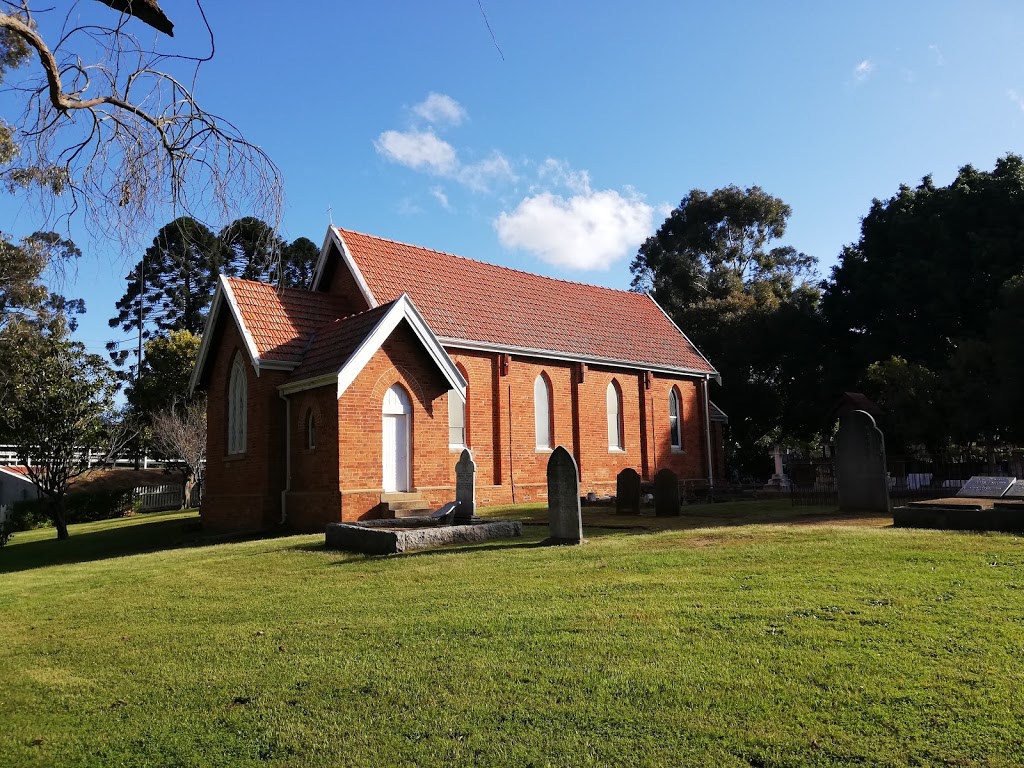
(421, 150)
(438, 108)
(590, 230)
(481, 175)
(560, 173)
(1016, 98)
(863, 70)
(937, 53)
(439, 195)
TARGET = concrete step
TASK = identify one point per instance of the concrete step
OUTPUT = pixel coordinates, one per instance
(405, 504)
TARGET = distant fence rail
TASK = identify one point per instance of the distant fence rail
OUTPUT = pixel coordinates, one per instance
(814, 482)
(9, 458)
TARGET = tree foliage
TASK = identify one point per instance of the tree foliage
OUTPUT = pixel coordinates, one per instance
(166, 368)
(102, 121)
(933, 281)
(746, 302)
(55, 397)
(175, 280)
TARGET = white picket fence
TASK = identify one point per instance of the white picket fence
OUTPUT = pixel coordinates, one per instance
(9, 458)
(153, 498)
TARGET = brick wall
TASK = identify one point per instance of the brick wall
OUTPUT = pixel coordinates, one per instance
(341, 478)
(243, 491)
(402, 360)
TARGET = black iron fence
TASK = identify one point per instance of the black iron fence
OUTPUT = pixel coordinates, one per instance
(930, 477)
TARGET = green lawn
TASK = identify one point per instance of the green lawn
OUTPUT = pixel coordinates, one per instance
(793, 641)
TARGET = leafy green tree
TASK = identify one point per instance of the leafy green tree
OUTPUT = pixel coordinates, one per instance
(924, 283)
(747, 303)
(23, 294)
(910, 395)
(298, 262)
(55, 398)
(1007, 337)
(166, 367)
(173, 282)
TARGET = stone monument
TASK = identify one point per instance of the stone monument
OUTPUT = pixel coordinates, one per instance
(465, 487)
(861, 475)
(564, 517)
(627, 492)
(666, 493)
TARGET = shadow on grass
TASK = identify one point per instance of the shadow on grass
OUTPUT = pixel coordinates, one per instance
(116, 538)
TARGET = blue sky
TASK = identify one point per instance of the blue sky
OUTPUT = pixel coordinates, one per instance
(560, 154)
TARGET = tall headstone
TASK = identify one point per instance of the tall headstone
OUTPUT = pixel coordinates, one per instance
(861, 475)
(627, 492)
(564, 517)
(465, 487)
(666, 493)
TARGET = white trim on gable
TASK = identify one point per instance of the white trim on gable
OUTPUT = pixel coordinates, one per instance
(222, 294)
(334, 237)
(403, 309)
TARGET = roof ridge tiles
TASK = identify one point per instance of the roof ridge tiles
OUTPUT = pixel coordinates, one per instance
(491, 263)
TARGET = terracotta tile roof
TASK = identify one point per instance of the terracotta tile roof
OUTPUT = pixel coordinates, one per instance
(281, 322)
(475, 301)
(332, 345)
(16, 469)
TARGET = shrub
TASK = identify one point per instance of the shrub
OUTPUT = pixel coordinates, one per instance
(78, 508)
(5, 533)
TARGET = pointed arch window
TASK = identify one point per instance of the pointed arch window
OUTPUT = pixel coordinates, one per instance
(614, 403)
(675, 421)
(458, 432)
(542, 411)
(238, 386)
(310, 430)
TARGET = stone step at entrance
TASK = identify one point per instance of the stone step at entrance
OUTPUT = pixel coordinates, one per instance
(404, 504)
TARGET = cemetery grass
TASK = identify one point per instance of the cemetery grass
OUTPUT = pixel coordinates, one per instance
(772, 644)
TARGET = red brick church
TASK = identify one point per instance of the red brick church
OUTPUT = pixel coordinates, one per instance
(338, 402)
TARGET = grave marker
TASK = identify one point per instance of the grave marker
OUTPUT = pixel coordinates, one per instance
(1015, 491)
(861, 476)
(666, 493)
(465, 487)
(565, 520)
(627, 492)
(979, 487)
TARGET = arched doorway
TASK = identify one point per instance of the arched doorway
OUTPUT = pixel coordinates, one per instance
(397, 421)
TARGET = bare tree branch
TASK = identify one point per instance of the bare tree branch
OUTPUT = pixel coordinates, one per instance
(112, 128)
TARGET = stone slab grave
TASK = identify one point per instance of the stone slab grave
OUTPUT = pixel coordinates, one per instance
(666, 494)
(1015, 491)
(565, 518)
(862, 479)
(627, 492)
(981, 505)
(406, 534)
(979, 487)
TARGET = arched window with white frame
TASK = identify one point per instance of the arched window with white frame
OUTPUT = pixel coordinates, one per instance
(458, 431)
(614, 407)
(542, 411)
(238, 386)
(675, 419)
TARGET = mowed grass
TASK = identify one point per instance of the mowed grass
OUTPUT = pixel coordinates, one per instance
(798, 640)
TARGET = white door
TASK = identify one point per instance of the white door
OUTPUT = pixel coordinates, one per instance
(397, 414)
